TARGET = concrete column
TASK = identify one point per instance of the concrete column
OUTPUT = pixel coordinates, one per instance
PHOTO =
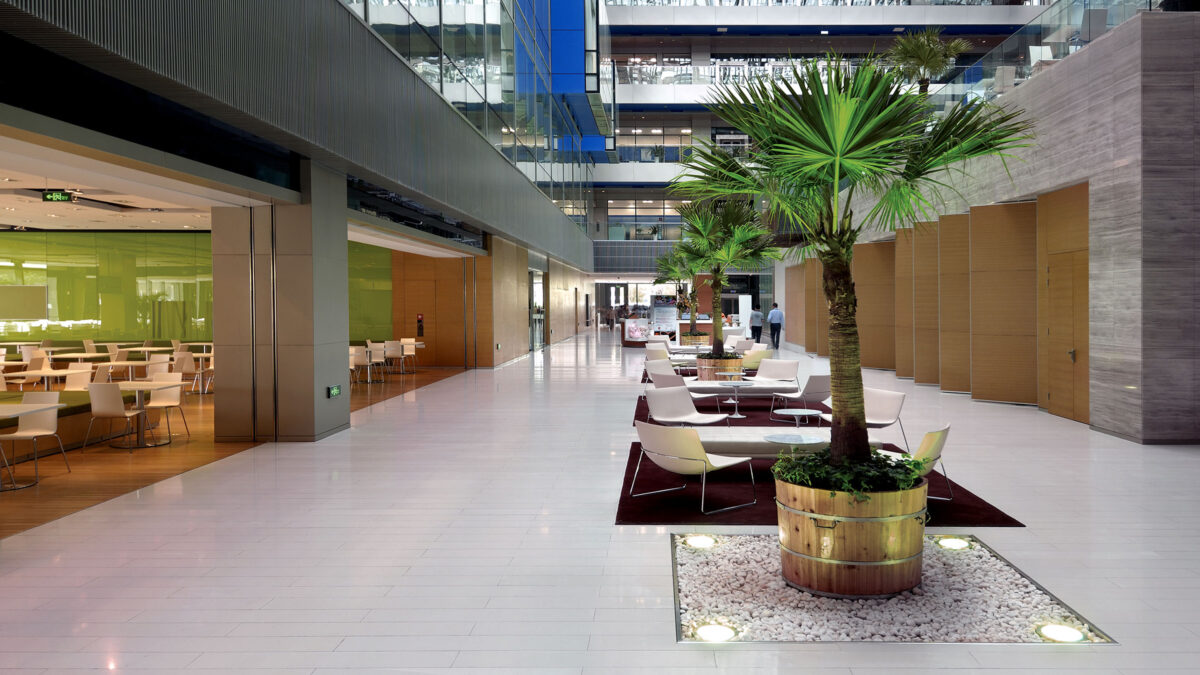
(701, 51)
(280, 314)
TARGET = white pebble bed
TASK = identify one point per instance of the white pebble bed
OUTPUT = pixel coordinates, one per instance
(965, 596)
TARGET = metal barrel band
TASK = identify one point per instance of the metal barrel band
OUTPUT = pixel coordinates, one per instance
(849, 519)
(831, 561)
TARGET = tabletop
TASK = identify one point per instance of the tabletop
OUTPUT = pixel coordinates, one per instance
(151, 385)
(196, 344)
(19, 344)
(798, 412)
(81, 355)
(793, 439)
(10, 410)
(149, 349)
(737, 383)
(44, 372)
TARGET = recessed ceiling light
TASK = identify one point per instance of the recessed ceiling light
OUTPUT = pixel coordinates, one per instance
(722, 29)
(53, 215)
(154, 221)
(898, 29)
(187, 227)
(685, 131)
(6, 180)
(656, 131)
(10, 208)
(715, 632)
(1056, 632)
(824, 32)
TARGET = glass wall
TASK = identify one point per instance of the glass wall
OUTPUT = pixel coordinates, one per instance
(490, 59)
(644, 219)
(112, 285)
(651, 141)
(370, 292)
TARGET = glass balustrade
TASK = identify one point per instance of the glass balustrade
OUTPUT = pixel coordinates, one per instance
(811, 3)
(1064, 28)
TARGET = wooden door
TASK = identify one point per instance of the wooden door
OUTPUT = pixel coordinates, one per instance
(1067, 335)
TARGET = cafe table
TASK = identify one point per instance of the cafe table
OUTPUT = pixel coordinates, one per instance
(44, 373)
(148, 350)
(205, 347)
(9, 411)
(140, 389)
(81, 356)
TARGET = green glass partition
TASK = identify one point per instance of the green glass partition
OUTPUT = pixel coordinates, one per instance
(112, 285)
(370, 292)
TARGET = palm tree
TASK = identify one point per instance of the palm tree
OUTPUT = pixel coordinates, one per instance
(923, 55)
(676, 268)
(816, 142)
(721, 236)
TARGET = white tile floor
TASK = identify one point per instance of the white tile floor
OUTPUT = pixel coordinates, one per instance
(468, 525)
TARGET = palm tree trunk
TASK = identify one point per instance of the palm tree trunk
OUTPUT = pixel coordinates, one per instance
(849, 434)
(718, 339)
(693, 306)
(923, 86)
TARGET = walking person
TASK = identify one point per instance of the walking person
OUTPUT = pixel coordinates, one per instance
(775, 318)
(756, 323)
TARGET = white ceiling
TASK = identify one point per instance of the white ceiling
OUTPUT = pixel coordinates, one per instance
(26, 166)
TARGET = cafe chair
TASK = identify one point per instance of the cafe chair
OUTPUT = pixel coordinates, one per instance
(669, 380)
(930, 451)
(119, 371)
(33, 426)
(34, 363)
(752, 360)
(89, 345)
(674, 405)
(103, 374)
(883, 410)
(410, 352)
(169, 399)
(79, 375)
(776, 370)
(157, 363)
(679, 451)
(816, 389)
(176, 346)
(108, 404)
(185, 364)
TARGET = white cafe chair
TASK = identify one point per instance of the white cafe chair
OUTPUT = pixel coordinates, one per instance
(680, 452)
(674, 405)
(34, 426)
(108, 404)
(671, 379)
(169, 399)
(930, 451)
(883, 410)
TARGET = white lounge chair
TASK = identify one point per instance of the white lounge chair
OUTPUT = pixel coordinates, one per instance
(674, 405)
(930, 450)
(679, 451)
(883, 410)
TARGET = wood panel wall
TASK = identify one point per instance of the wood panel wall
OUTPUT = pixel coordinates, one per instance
(954, 302)
(904, 303)
(1062, 227)
(440, 290)
(812, 286)
(821, 310)
(926, 363)
(510, 302)
(567, 287)
(1003, 261)
(794, 301)
(874, 270)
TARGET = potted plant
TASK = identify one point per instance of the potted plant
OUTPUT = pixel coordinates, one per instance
(719, 236)
(816, 143)
(923, 55)
(675, 268)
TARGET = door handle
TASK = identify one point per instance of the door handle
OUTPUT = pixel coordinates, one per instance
(1071, 353)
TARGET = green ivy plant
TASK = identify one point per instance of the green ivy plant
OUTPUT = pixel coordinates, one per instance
(879, 473)
(723, 356)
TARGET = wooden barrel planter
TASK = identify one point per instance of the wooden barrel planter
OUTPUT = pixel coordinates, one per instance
(692, 340)
(835, 546)
(707, 369)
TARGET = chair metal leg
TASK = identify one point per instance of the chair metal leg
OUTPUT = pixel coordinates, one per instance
(64, 452)
(184, 418)
(87, 435)
(166, 413)
(904, 436)
(704, 485)
(633, 482)
(36, 475)
(949, 485)
(11, 478)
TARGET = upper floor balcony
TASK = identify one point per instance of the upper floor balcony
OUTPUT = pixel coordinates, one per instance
(812, 17)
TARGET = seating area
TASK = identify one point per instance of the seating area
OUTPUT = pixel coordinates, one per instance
(682, 429)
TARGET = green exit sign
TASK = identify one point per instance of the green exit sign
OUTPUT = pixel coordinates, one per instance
(335, 390)
(57, 196)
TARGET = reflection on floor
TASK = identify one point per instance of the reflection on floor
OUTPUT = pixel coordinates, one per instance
(363, 394)
(101, 472)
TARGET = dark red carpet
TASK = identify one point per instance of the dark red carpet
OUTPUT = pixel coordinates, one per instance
(732, 486)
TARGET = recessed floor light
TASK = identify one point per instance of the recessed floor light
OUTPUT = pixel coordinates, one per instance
(953, 543)
(699, 541)
(1056, 632)
(715, 632)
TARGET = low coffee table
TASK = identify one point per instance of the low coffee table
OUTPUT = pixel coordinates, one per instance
(797, 413)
